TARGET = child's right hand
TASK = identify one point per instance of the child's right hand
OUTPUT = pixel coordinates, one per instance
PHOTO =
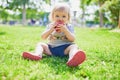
(52, 26)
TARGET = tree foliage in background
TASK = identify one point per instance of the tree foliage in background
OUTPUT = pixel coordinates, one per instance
(113, 6)
(83, 5)
(3, 14)
(16, 4)
(101, 14)
(33, 14)
(106, 6)
(27, 8)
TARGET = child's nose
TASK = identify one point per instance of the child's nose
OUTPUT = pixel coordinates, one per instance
(61, 19)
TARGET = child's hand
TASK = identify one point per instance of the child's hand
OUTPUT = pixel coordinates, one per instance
(52, 26)
(63, 27)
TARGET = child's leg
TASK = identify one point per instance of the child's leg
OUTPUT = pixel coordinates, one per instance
(76, 56)
(37, 55)
(42, 48)
(71, 50)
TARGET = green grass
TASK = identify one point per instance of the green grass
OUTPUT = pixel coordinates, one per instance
(102, 48)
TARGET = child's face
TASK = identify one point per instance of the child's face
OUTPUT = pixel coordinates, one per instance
(59, 15)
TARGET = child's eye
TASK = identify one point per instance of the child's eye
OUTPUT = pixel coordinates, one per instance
(64, 16)
(57, 16)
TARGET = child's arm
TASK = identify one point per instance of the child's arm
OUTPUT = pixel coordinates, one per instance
(70, 36)
(47, 32)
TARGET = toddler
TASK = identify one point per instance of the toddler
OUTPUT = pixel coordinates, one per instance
(60, 34)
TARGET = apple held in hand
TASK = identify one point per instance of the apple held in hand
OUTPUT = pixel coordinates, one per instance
(58, 23)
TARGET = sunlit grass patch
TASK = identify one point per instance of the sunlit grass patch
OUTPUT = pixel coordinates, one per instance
(101, 46)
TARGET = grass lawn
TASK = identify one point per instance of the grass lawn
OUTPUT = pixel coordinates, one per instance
(102, 48)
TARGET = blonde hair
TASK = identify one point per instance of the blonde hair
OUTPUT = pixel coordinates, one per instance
(60, 7)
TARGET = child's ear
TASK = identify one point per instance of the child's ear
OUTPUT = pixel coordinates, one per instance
(53, 17)
(68, 18)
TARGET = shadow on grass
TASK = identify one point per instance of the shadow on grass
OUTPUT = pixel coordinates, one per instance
(58, 64)
(2, 33)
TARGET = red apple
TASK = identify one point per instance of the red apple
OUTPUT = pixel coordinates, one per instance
(58, 23)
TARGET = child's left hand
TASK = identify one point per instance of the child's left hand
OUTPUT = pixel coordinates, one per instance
(62, 27)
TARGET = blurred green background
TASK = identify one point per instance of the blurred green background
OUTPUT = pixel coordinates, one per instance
(90, 13)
